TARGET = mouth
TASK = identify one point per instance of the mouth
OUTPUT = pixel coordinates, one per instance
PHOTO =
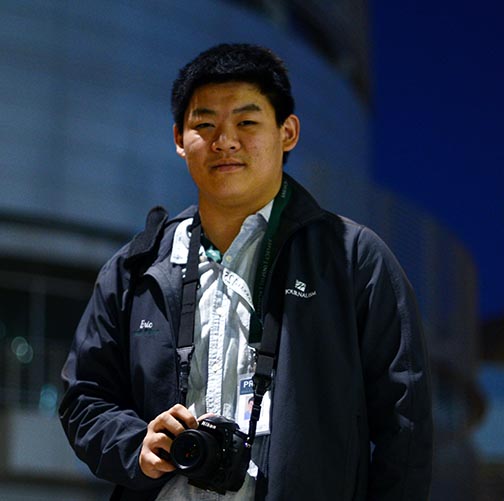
(228, 165)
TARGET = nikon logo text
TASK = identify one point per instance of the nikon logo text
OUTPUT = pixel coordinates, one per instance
(208, 425)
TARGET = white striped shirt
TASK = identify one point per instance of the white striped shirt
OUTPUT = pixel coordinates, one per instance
(222, 353)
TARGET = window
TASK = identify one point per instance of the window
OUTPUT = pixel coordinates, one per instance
(39, 312)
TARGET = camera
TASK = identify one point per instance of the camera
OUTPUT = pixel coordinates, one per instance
(214, 457)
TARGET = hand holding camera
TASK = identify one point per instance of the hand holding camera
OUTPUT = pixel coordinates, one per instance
(154, 456)
(213, 455)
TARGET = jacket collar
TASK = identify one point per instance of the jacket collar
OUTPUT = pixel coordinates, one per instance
(154, 242)
(302, 207)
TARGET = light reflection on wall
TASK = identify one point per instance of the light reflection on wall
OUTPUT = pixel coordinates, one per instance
(22, 350)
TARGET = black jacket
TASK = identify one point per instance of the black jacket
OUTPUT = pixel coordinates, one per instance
(351, 371)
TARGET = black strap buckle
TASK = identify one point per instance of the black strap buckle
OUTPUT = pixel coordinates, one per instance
(184, 355)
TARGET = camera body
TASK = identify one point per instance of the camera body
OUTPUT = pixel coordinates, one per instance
(213, 457)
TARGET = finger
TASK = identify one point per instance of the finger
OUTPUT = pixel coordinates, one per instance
(168, 424)
(204, 416)
(157, 441)
(151, 461)
(163, 462)
(185, 415)
(154, 466)
(175, 420)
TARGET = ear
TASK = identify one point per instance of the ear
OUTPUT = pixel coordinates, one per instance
(178, 138)
(290, 132)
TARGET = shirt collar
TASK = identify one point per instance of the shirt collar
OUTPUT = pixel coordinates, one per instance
(265, 212)
(180, 247)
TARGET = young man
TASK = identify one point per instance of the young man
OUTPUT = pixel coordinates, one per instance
(348, 366)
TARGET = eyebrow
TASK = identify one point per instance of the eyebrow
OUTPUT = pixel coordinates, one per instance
(247, 107)
(199, 112)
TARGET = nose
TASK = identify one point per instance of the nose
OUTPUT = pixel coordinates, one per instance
(225, 140)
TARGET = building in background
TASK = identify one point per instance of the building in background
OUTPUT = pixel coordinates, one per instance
(86, 150)
(490, 434)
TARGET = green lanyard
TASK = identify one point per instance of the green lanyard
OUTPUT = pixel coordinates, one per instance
(265, 261)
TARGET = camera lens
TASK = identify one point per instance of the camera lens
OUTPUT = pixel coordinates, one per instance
(194, 451)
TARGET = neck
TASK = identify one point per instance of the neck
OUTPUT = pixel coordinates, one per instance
(221, 228)
(222, 224)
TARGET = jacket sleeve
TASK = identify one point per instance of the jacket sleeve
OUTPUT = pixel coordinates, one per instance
(97, 411)
(396, 374)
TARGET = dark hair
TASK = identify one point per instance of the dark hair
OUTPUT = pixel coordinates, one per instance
(234, 62)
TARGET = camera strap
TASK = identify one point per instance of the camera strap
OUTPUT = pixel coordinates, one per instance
(190, 282)
(263, 375)
(267, 253)
(267, 333)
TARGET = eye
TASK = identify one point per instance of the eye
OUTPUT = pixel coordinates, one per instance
(247, 122)
(203, 125)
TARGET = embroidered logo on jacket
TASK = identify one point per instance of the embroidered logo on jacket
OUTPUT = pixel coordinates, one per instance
(146, 324)
(145, 328)
(300, 286)
(300, 291)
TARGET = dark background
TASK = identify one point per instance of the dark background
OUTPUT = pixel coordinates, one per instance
(437, 70)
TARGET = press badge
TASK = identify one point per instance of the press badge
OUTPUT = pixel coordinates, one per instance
(245, 398)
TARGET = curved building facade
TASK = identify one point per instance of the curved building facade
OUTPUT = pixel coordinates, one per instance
(86, 149)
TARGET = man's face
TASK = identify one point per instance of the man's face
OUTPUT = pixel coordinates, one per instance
(233, 146)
